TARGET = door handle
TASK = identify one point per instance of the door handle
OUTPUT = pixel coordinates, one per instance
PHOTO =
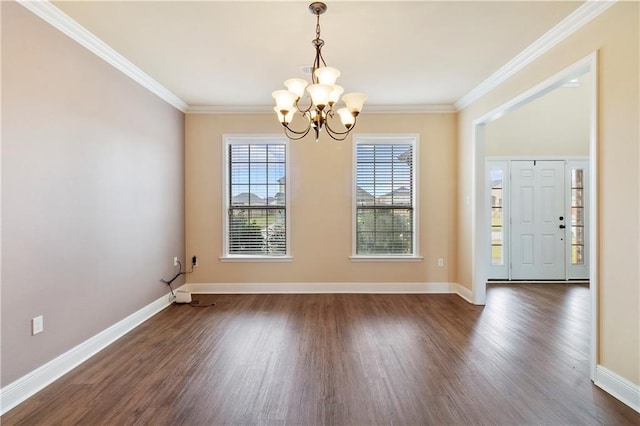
(562, 226)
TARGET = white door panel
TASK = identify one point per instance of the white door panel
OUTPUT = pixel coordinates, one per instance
(537, 200)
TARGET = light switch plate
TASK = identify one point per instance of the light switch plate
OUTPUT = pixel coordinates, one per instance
(37, 325)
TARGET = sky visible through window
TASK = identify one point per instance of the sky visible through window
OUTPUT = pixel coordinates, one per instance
(383, 169)
(259, 170)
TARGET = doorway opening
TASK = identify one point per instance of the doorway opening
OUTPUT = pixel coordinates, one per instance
(538, 221)
(481, 215)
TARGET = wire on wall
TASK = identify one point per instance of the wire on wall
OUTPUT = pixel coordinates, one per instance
(180, 272)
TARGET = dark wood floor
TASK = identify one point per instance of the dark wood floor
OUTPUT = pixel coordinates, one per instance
(340, 359)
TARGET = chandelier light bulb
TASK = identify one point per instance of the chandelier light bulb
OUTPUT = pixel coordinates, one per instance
(354, 102)
(335, 95)
(320, 94)
(296, 86)
(285, 100)
(284, 118)
(327, 75)
(346, 117)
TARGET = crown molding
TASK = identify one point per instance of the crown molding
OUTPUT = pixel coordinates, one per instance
(569, 25)
(229, 109)
(58, 19)
(408, 109)
(373, 109)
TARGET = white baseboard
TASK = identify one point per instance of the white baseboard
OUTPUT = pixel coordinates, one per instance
(26, 386)
(463, 292)
(314, 288)
(618, 387)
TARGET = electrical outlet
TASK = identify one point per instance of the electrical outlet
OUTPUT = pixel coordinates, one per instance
(175, 261)
(194, 261)
(37, 325)
(441, 262)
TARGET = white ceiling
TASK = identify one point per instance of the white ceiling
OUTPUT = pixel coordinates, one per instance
(234, 54)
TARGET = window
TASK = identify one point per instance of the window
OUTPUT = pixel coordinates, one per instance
(577, 220)
(577, 217)
(497, 187)
(385, 196)
(497, 217)
(256, 200)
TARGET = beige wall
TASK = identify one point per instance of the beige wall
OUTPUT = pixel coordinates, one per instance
(92, 193)
(556, 124)
(615, 36)
(320, 183)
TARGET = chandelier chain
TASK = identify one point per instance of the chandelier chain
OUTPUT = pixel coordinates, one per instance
(317, 26)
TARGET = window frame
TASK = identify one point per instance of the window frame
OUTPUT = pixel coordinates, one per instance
(387, 139)
(239, 139)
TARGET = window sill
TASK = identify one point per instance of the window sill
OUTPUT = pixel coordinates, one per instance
(256, 259)
(386, 258)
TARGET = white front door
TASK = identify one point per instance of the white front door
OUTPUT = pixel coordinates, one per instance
(537, 220)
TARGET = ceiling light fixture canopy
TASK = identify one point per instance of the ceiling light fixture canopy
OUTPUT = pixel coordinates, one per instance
(324, 94)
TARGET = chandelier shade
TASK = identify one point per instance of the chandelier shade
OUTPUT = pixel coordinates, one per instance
(327, 75)
(296, 86)
(323, 96)
(354, 102)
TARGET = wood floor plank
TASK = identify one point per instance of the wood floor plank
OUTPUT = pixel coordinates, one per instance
(344, 359)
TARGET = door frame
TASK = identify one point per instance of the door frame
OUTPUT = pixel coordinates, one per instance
(504, 163)
(480, 232)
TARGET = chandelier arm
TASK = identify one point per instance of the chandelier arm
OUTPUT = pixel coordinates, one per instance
(298, 132)
(293, 135)
(321, 57)
(335, 132)
(292, 131)
(336, 138)
(303, 111)
(316, 65)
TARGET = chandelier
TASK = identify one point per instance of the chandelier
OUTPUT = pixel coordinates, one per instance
(324, 93)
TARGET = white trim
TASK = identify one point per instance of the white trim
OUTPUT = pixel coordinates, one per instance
(499, 281)
(480, 235)
(358, 258)
(576, 20)
(332, 288)
(370, 109)
(229, 109)
(538, 158)
(58, 19)
(255, 259)
(618, 387)
(255, 139)
(411, 109)
(463, 292)
(26, 386)
(578, 68)
(412, 139)
(593, 214)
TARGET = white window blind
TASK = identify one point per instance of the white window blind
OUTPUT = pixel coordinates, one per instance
(257, 201)
(384, 197)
